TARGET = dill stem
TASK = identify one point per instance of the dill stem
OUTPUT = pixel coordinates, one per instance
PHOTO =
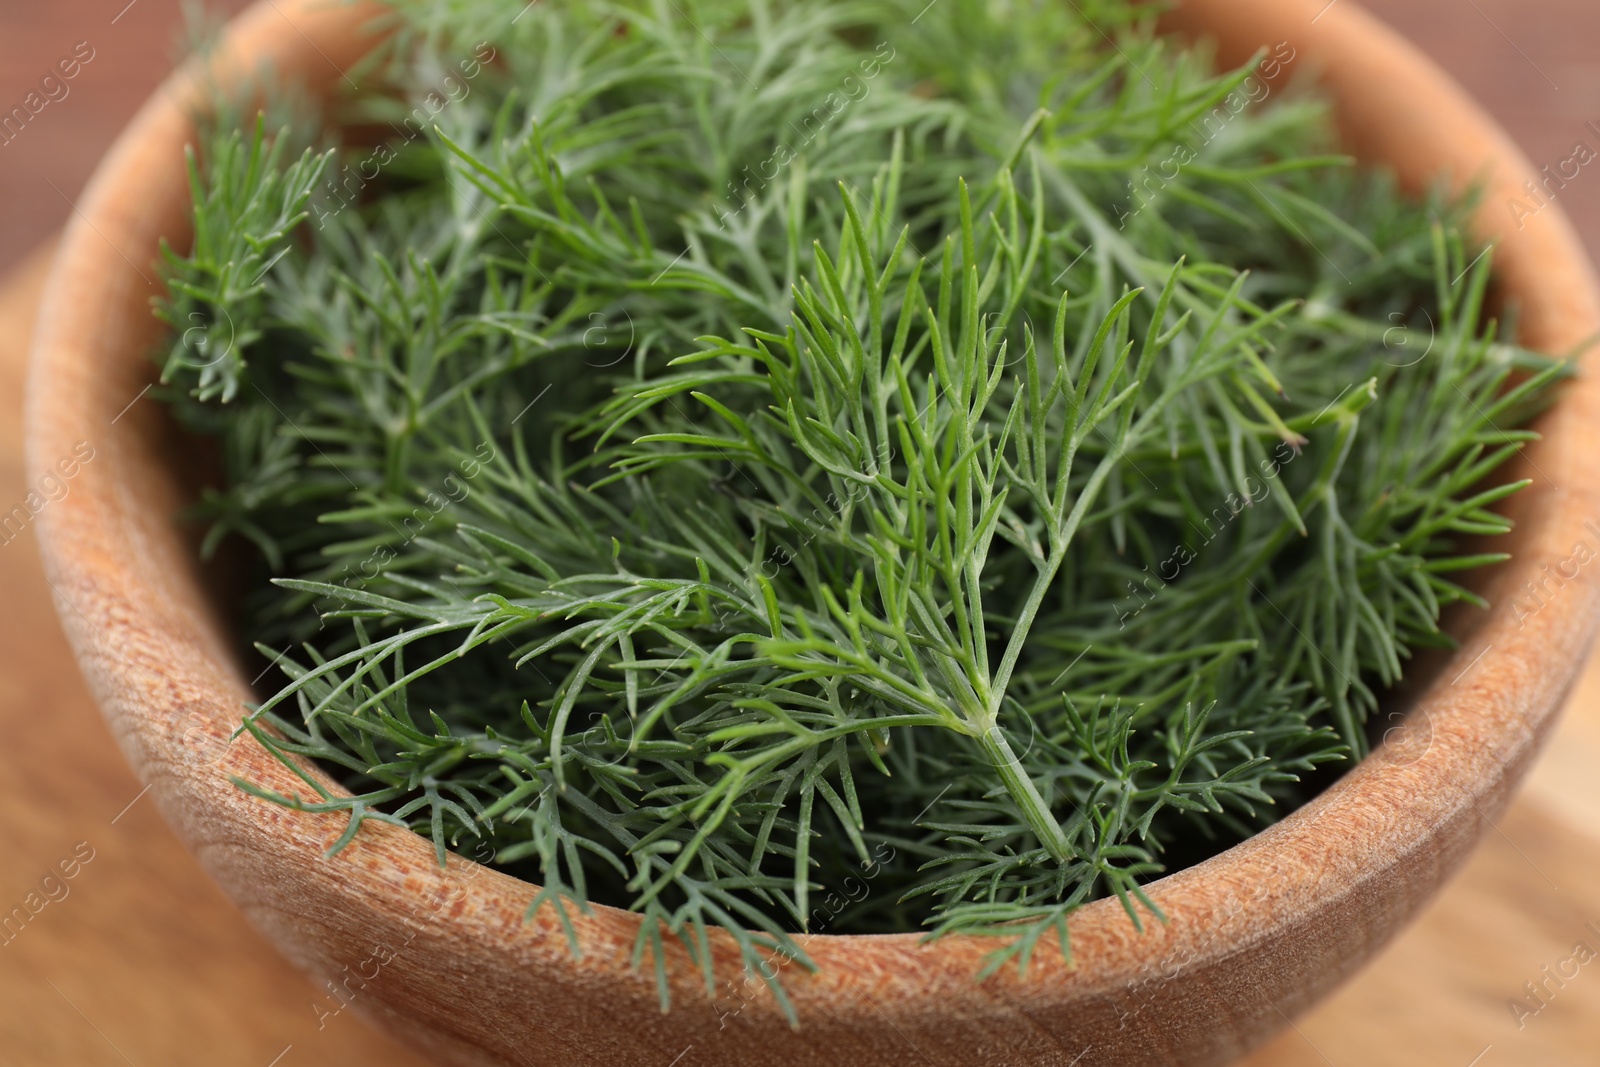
(1035, 809)
(1041, 586)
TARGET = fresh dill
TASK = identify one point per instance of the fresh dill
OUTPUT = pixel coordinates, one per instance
(707, 451)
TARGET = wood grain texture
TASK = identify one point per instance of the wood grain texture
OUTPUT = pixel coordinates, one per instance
(138, 954)
(1453, 990)
(1257, 934)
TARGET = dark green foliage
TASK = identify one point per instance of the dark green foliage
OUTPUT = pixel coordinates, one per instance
(699, 540)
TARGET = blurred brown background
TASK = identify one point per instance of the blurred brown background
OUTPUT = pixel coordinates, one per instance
(134, 46)
(144, 962)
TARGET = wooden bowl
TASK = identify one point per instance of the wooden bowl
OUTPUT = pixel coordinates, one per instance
(447, 961)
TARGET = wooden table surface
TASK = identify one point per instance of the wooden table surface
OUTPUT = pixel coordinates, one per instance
(137, 959)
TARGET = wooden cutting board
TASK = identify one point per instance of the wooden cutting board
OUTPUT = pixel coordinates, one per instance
(130, 955)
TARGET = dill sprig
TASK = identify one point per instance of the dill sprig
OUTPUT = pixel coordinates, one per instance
(720, 451)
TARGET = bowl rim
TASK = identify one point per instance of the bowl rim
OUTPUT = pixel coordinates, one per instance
(1381, 838)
